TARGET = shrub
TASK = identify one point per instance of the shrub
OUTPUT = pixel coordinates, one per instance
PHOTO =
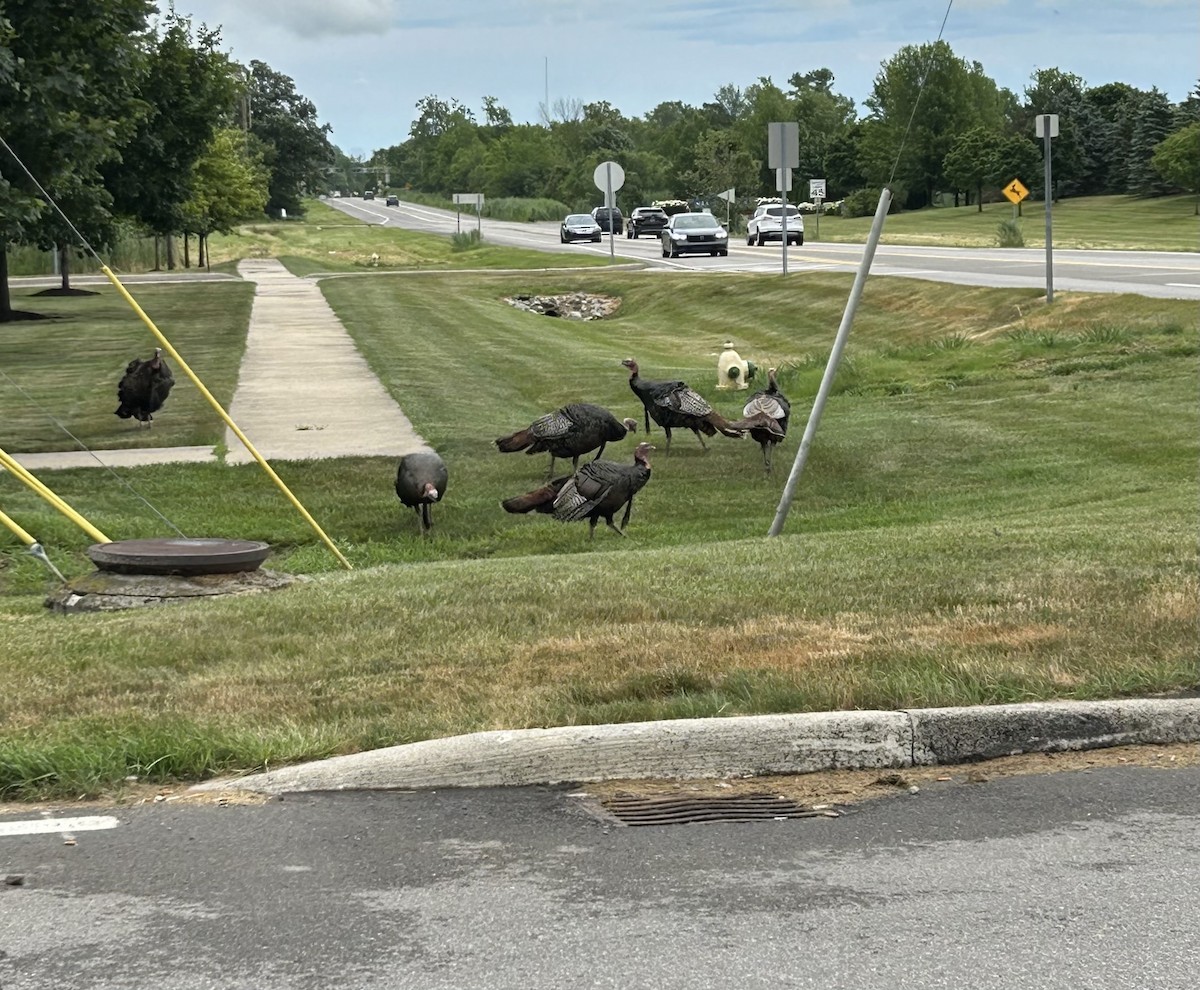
(465, 241)
(1008, 233)
(864, 203)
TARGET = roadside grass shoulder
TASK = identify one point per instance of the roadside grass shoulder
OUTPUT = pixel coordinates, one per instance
(1000, 506)
(1166, 223)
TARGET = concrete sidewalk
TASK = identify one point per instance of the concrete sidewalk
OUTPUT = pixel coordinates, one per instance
(752, 745)
(304, 392)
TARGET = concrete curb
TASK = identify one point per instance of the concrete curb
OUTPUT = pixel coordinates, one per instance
(749, 745)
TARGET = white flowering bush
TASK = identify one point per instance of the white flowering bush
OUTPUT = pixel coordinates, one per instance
(671, 206)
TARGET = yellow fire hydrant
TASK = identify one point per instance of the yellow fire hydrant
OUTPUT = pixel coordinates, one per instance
(732, 371)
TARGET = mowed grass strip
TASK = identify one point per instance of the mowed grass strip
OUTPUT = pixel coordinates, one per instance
(999, 506)
(1163, 223)
(330, 240)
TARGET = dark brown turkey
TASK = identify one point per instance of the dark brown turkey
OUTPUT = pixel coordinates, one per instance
(598, 490)
(144, 388)
(571, 431)
(420, 481)
(773, 404)
(674, 404)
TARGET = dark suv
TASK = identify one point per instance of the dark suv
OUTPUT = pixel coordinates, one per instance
(647, 220)
(609, 218)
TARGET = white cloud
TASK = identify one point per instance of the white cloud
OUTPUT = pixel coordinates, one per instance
(319, 18)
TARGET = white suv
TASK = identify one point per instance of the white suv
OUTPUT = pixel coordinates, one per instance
(767, 225)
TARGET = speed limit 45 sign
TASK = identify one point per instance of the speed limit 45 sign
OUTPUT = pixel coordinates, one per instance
(816, 188)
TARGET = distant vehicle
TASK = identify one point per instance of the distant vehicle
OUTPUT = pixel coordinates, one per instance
(694, 233)
(579, 227)
(337, 194)
(646, 220)
(767, 225)
(609, 218)
(393, 201)
(369, 194)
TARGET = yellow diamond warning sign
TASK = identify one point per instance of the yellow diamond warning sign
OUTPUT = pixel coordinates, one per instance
(1015, 191)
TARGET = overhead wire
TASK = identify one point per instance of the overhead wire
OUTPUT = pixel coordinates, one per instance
(178, 358)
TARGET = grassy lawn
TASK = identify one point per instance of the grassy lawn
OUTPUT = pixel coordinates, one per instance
(1000, 505)
(328, 240)
(1168, 223)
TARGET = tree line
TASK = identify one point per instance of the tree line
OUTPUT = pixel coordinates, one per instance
(128, 120)
(934, 126)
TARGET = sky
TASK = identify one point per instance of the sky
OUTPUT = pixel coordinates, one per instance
(366, 63)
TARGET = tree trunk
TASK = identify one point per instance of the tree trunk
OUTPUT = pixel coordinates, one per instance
(187, 260)
(979, 197)
(170, 253)
(204, 251)
(157, 262)
(64, 266)
(5, 299)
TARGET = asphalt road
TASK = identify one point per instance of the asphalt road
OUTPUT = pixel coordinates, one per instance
(1163, 274)
(1051, 882)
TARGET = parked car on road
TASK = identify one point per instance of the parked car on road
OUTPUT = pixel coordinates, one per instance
(579, 227)
(393, 201)
(694, 233)
(609, 217)
(767, 225)
(646, 220)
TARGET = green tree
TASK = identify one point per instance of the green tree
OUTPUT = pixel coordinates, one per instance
(188, 88)
(296, 145)
(1152, 124)
(721, 163)
(923, 98)
(1061, 93)
(823, 118)
(971, 161)
(1177, 160)
(229, 185)
(68, 104)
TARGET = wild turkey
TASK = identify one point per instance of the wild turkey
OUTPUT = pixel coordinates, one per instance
(571, 431)
(596, 491)
(421, 481)
(672, 404)
(144, 388)
(774, 404)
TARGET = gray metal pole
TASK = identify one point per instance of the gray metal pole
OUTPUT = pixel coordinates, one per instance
(1049, 200)
(835, 355)
(783, 202)
(612, 250)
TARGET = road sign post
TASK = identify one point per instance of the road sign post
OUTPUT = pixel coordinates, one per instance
(475, 199)
(816, 193)
(783, 155)
(1046, 127)
(609, 177)
(729, 195)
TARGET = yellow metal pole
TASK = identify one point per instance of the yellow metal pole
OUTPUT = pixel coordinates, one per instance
(7, 461)
(224, 415)
(17, 531)
(35, 548)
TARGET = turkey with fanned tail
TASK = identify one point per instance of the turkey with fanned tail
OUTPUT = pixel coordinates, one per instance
(675, 404)
(773, 404)
(598, 490)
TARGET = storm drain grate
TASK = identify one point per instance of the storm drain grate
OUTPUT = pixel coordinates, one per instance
(633, 810)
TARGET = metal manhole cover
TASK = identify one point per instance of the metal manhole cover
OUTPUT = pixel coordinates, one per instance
(635, 810)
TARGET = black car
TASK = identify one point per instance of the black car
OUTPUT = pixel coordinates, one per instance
(647, 220)
(369, 194)
(609, 218)
(393, 201)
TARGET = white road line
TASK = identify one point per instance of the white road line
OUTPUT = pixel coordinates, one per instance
(1184, 285)
(41, 825)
